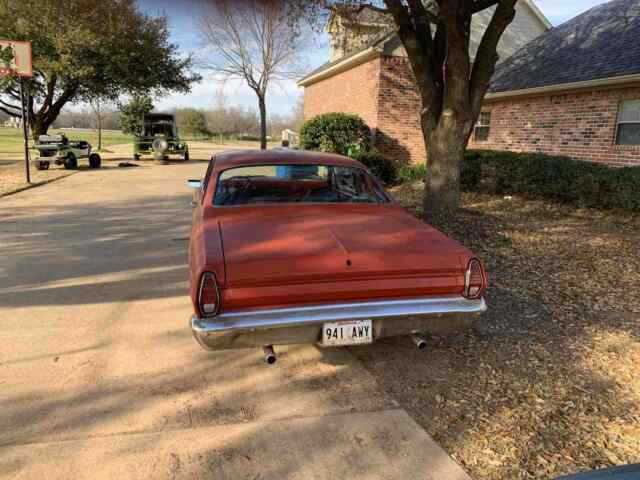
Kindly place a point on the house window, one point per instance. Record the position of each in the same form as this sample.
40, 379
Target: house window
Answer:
628, 132
481, 131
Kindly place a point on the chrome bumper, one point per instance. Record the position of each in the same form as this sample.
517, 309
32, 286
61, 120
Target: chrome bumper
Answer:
284, 326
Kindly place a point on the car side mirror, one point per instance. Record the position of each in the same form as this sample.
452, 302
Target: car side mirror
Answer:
194, 183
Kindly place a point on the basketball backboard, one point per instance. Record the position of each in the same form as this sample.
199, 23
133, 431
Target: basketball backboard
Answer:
15, 58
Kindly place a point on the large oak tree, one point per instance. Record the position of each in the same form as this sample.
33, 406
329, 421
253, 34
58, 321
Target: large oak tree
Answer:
88, 48
436, 36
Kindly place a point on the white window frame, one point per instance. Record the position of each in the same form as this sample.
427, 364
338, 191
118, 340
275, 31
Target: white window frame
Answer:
625, 122
479, 124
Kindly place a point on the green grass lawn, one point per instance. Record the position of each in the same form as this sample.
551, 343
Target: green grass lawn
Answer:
11, 138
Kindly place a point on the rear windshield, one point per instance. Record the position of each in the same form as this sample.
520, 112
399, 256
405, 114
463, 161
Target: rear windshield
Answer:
297, 184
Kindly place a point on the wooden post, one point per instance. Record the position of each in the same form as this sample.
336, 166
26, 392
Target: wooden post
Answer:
25, 130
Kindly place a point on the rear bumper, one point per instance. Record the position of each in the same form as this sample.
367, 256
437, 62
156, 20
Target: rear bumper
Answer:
284, 326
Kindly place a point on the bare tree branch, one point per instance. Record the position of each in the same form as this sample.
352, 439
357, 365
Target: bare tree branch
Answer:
480, 5
486, 56
419, 47
9, 105
252, 40
8, 112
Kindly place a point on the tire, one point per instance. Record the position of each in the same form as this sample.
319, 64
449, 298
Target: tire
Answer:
136, 156
42, 165
94, 160
185, 156
71, 162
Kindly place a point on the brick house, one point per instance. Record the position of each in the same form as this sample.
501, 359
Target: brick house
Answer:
369, 73
573, 91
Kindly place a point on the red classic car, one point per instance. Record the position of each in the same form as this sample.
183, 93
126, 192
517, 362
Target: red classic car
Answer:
297, 247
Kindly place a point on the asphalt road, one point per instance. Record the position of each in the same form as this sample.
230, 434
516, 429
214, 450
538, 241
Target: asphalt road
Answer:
101, 378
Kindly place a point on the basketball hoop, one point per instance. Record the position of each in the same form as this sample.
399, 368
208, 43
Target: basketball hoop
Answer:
15, 58
15, 61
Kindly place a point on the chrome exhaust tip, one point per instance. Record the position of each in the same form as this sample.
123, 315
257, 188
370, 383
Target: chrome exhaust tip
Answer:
269, 354
420, 341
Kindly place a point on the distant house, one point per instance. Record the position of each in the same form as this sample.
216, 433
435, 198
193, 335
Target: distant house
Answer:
573, 91
369, 73
13, 122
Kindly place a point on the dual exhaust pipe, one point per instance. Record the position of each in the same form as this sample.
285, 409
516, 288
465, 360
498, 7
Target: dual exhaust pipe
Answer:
270, 354
419, 340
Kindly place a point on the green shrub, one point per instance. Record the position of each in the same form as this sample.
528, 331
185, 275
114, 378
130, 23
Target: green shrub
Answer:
412, 172
559, 178
334, 133
383, 168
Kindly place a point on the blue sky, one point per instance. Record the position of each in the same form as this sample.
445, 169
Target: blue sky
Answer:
282, 97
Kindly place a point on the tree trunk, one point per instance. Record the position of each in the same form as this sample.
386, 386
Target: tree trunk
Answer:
446, 144
263, 122
38, 126
99, 133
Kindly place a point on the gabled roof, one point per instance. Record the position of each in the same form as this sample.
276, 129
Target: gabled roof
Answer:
349, 60
380, 43
602, 43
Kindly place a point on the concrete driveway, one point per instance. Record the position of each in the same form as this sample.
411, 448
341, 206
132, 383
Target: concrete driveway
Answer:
100, 377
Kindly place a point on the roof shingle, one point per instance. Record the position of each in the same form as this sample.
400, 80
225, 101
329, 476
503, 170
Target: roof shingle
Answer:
603, 42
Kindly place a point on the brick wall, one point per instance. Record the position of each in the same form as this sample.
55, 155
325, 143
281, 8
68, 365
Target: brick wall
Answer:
399, 135
581, 125
352, 91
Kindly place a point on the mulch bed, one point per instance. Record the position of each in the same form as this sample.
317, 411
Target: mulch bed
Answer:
548, 383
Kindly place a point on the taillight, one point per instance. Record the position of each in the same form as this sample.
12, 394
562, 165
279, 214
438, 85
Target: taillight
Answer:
474, 280
209, 295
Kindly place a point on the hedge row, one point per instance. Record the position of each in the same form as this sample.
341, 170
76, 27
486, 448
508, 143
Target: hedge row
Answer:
527, 174
558, 178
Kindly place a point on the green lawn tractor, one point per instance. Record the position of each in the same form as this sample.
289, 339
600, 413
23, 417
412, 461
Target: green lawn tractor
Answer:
60, 150
160, 139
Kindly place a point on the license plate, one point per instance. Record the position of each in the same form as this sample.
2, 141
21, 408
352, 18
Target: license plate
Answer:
348, 332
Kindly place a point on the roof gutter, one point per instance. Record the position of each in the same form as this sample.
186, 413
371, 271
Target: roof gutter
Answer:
341, 66
563, 87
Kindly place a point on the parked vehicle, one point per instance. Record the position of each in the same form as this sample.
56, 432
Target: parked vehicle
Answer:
61, 151
160, 138
296, 247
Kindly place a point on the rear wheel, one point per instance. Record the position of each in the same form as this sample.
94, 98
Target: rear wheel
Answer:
42, 165
71, 162
136, 156
94, 160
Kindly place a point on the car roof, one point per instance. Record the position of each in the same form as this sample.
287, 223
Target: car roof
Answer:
280, 156
159, 116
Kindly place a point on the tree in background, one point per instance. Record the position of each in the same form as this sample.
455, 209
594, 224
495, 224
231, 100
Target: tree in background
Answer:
132, 114
84, 48
256, 41
96, 104
86, 118
193, 122
297, 114
436, 37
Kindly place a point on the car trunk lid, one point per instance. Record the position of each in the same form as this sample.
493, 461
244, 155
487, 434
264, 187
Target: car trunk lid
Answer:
317, 248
